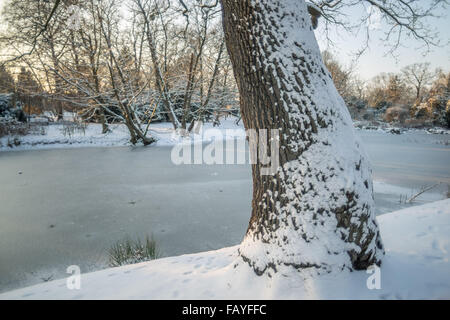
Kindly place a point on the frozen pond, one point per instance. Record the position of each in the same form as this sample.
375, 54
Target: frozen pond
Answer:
67, 206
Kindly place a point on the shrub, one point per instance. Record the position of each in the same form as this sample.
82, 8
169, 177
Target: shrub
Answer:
130, 251
14, 128
397, 114
72, 128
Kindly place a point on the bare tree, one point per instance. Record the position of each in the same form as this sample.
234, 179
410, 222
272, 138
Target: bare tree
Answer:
121, 80
341, 75
317, 211
398, 19
39, 42
418, 75
148, 9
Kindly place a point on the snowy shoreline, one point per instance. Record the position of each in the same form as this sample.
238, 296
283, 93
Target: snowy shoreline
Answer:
54, 137
415, 266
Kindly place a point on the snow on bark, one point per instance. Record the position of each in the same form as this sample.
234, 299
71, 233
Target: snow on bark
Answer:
318, 210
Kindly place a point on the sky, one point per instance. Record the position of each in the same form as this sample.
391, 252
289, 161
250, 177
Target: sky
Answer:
375, 60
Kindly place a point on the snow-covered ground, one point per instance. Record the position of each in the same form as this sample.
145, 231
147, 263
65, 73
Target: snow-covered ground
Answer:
389, 128
416, 266
56, 137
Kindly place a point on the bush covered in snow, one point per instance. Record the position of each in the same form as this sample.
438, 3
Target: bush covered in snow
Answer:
13, 121
11, 110
12, 117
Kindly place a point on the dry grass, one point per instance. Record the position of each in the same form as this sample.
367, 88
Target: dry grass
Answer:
130, 251
21, 129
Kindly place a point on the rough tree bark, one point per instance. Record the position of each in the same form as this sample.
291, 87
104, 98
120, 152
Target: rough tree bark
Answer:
317, 210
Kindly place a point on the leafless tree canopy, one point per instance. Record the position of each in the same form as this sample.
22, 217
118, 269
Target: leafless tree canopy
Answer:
399, 19
133, 61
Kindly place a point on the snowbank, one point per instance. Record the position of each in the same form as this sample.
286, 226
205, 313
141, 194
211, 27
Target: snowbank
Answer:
416, 266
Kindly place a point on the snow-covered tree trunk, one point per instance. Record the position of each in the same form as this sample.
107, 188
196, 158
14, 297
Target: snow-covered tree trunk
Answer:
317, 210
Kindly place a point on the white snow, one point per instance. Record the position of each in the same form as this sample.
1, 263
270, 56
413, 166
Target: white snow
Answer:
54, 136
416, 266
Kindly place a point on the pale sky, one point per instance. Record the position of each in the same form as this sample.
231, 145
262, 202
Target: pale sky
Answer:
375, 60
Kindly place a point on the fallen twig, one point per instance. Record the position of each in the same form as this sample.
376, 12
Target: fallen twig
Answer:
422, 192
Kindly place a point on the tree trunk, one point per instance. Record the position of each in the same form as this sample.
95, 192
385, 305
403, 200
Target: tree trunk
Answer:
317, 211
418, 89
105, 128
